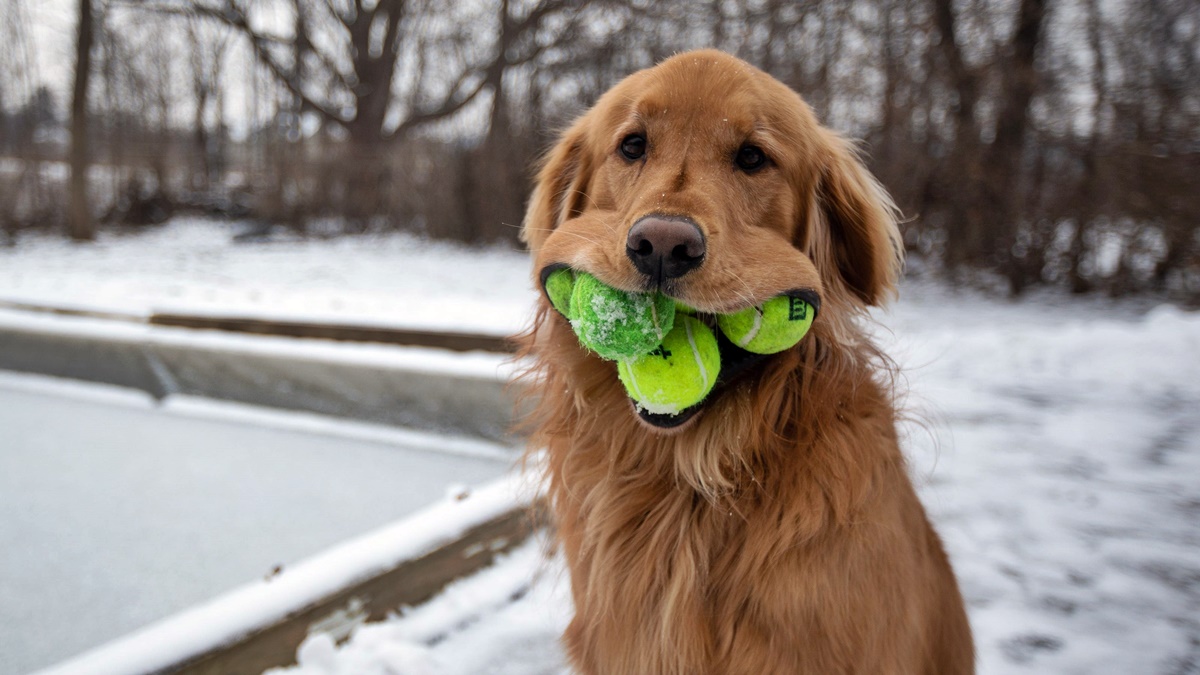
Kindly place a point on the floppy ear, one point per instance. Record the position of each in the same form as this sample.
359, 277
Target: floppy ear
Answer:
863, 235
559, 191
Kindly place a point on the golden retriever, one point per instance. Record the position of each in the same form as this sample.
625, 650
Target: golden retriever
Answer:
772, 528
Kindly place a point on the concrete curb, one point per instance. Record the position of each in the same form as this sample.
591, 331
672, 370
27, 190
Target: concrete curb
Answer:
164, 361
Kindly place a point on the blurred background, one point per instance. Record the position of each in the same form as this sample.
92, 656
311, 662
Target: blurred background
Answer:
1044, 142
258, 259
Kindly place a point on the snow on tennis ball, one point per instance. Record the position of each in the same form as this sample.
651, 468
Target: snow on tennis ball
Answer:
678, 374
771, 327
617, 324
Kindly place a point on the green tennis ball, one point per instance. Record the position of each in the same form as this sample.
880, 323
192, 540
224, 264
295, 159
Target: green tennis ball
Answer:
559, 285
616, 324
676, 375
771, 327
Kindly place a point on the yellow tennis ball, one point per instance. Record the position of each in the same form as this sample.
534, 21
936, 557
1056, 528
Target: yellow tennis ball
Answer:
771, 327
617, 324
558, 286
676, 375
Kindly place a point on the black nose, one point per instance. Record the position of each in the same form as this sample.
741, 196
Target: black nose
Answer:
665, 248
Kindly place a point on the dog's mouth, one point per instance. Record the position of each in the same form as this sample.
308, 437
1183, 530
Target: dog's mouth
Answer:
735, 364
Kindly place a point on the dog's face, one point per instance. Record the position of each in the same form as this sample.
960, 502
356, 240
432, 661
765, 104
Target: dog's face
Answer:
707, 180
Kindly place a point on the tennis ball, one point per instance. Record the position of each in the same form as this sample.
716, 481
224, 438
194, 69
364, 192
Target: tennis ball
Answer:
559, 285
616, 324
771, 327
676, 375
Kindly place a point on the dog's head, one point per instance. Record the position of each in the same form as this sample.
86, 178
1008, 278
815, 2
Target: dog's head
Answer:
710, 181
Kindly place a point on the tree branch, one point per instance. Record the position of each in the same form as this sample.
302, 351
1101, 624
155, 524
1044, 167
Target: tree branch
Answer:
234, 17
448, 107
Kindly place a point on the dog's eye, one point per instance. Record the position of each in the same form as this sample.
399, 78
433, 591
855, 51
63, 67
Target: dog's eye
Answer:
633, 146
749, 158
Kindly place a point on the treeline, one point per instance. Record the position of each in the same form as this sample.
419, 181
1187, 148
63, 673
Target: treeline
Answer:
1028, 141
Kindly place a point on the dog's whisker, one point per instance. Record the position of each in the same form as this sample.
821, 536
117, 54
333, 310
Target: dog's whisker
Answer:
587, 197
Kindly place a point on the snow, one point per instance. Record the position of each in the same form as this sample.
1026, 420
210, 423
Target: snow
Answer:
191, 266
1058, 453
1057, 449
310, 424
263, 602
502, 621
480, 365
1054, 442
115, 511
319, 425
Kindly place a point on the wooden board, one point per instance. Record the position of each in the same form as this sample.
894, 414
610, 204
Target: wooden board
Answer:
451, 340
459, 342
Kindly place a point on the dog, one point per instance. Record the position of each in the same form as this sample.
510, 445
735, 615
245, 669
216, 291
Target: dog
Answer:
773, 527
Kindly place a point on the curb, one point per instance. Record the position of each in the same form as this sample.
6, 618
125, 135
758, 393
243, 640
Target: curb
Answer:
418, 387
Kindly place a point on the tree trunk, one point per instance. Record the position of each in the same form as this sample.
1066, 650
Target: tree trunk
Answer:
1003, 186
374, 68
80, 225
1091, 188
961, 170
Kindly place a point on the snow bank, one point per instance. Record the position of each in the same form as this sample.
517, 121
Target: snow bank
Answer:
416, 359
262, 603
503, 621
193, 266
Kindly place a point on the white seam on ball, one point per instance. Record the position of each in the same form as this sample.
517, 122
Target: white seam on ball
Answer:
657, 322
696, 353
633, 380
753, 332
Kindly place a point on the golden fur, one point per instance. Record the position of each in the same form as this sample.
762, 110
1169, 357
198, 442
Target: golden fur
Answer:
778, 531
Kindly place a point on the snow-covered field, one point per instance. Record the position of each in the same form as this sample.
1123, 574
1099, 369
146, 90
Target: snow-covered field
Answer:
192, 267
116, 510
1056, 444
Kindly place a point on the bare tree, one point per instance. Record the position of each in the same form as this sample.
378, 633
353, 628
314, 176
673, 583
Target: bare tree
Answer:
339, 61
1003, 188
206, 53
80, 225
1032, 141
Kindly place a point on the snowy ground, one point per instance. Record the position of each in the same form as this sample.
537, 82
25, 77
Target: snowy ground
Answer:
191, 266
1060, 458
1057, 445
503, 621
116, 511
1058, 453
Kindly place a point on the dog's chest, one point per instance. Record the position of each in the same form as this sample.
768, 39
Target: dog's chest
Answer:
657, 575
